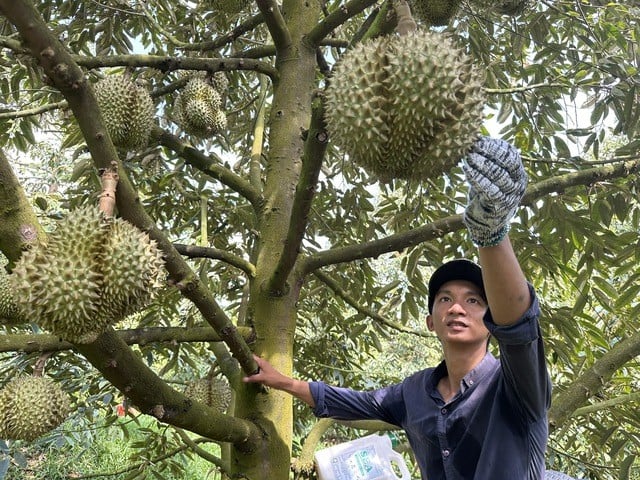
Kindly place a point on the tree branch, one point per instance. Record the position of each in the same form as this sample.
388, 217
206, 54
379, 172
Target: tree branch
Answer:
206, 165
591, 382
19, 226
167, 64
128, 373
631, 398
29, 343
275, 23
193, 251
229, 37
342, 293
336, 18
313, 155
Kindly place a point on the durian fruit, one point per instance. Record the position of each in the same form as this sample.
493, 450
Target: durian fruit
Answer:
10, 313
127, 110
405, 107
82, 280
220, 82
30, 407
133, 269
434, 12
58, 284
502, 7
215, 392
197, 106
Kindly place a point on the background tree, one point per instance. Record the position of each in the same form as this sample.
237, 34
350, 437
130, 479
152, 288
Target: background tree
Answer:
276, 242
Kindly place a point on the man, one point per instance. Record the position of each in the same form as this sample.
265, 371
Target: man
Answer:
472, 417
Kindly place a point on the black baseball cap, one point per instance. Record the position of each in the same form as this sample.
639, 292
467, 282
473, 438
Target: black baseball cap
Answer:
461, 269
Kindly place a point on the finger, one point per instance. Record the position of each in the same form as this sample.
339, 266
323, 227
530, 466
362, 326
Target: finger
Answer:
499, 152
484, 182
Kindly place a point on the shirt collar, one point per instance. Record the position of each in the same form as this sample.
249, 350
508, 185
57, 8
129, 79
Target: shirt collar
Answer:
486, 365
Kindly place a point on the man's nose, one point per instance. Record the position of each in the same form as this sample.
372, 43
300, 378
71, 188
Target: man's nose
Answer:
456, 308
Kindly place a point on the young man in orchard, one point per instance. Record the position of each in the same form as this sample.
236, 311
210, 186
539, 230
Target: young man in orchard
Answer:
472, 417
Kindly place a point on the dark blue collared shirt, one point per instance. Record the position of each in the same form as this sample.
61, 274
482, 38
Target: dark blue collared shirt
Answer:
495, 428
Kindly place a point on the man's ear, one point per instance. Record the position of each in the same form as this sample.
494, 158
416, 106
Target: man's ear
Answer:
430, 322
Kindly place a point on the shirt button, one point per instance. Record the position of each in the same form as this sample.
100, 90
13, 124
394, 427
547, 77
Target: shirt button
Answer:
445, 453
470, 382
443, 411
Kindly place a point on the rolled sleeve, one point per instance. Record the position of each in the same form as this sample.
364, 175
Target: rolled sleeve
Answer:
524, 331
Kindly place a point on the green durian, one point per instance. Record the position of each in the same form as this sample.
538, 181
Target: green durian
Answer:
405, 107
435, 12
81, 281
215, 392
30, 407
196, 107
10, 313
132, 272
127, 110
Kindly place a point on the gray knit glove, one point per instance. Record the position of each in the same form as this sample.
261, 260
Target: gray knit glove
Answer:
497, 179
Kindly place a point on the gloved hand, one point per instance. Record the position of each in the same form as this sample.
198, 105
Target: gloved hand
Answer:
497, 179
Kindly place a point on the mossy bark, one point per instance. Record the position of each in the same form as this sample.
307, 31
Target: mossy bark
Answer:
19, 226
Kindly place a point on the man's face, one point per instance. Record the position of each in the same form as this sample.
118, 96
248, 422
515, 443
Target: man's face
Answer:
458, 310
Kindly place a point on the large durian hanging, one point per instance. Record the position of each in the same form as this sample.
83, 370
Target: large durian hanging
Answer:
405, 106
127, 110
198, 107
90, 274
31, 406
215, 392
434, 12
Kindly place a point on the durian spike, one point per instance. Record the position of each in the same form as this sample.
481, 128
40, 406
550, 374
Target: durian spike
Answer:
406, 23
109, 180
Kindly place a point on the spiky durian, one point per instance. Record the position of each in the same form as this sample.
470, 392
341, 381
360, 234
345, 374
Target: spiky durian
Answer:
78, 283
131, 271
31, 406
435, 12
57, 283
503, 7
215, 393
405, 106
196, 107
220, 82
127, 110
10, 313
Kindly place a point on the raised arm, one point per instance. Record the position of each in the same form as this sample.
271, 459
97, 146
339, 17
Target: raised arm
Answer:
497, 182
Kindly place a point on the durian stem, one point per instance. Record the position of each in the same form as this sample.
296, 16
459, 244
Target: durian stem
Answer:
38, 368
109, 180
406, 23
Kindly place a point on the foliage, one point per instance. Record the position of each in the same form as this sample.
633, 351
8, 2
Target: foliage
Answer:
330, 274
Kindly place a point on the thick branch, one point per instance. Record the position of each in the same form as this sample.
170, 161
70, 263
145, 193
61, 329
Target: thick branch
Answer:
441, 227
69, 79
314, 150
19, 226
275, 23
339, 291
167, 64
29, 343
591, 382
206, 165
129, 374
336, 18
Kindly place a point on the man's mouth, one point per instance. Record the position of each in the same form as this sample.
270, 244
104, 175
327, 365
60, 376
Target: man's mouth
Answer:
456, 323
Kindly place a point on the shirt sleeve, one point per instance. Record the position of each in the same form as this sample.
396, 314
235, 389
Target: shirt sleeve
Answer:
346, 404
523, 361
